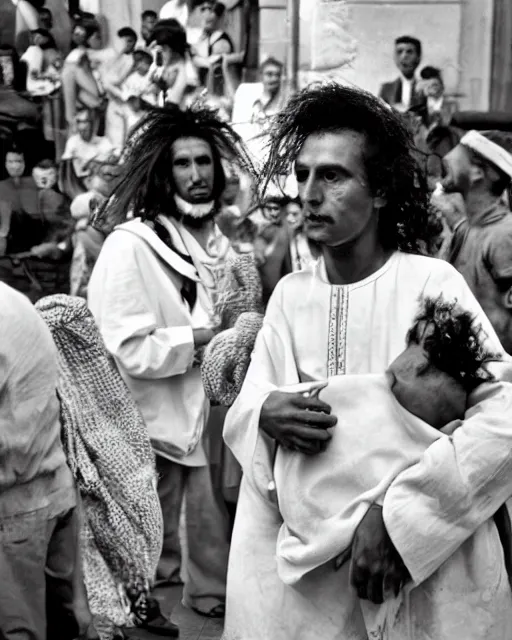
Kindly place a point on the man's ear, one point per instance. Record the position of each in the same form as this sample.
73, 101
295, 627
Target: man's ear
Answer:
380, 201
507, 299
476, 174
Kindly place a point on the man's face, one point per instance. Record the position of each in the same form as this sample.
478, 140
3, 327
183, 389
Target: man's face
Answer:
406, 59
208, 17
128, 44
338, 206
41, 41
271, 78
273, 212
193, 170
79, 36
45, 19
433, 88
294, 215
84, 126
148, 24
15, 164
94, 41
457, 171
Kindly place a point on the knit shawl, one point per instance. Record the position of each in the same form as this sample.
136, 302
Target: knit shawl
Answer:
110, 455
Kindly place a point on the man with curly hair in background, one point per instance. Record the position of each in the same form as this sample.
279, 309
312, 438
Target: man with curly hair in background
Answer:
366, 206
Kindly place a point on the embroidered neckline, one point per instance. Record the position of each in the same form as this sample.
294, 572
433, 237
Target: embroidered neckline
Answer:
321, 273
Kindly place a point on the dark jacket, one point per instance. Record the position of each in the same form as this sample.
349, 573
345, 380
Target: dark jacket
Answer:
391, 92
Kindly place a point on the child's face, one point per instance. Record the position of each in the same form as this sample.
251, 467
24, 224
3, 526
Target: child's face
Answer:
273, 212
425, 391
434, 88
142, 67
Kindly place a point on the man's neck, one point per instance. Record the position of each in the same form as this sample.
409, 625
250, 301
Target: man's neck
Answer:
268, 97
201, 232
478, 201
354, 261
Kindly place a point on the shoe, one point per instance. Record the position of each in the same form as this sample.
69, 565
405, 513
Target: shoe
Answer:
157, 623
217, 612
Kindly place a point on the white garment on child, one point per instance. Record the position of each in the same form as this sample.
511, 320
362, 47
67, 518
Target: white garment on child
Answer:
139, 86
83, 151
323, 498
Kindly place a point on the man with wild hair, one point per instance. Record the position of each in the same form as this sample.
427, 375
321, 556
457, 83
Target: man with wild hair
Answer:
480, 169
152, 292
366, 206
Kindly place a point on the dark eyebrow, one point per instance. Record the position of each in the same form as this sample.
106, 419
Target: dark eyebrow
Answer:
322, 167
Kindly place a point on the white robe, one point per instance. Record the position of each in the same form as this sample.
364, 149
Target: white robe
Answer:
437, 510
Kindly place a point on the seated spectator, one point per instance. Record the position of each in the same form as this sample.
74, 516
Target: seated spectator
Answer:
173, 72
14, 108
82, 150
43, 64
57, 22
115, 72
45, 19
79, 85
438, 110
36, 226
138, 91
255, 105
212, 44
87, 241
148, 21
139, 83
19, 23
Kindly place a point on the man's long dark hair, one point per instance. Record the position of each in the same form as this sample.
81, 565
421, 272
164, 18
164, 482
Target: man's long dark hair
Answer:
146, 186
406, 222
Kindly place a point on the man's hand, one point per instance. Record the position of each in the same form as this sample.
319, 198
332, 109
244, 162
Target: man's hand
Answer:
376, 568
46, 250
202, 337
296, 422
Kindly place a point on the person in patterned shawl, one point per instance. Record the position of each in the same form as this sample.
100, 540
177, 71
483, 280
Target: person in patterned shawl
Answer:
153, 294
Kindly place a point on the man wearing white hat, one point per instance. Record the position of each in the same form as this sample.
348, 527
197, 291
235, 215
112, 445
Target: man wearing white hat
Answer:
480, 169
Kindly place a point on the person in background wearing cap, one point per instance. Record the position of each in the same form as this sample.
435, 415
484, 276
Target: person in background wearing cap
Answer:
480, 169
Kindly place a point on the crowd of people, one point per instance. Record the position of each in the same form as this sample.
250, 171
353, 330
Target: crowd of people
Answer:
255, 344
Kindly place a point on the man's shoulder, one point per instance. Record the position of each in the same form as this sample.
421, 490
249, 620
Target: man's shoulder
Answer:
295, 281
72, 142
388, 87
416, 266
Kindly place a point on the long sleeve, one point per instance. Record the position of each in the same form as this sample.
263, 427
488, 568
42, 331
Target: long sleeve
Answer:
462, 480
118, 298
272, 366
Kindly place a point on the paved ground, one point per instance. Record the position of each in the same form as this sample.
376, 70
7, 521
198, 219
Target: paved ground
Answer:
192, 626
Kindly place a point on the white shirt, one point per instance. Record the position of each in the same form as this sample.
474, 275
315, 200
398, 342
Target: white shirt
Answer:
82, 152
407, 85
139, 86
434, 105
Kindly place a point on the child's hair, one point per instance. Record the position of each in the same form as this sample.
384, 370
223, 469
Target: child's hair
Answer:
142, 56
47, 163
455, 345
